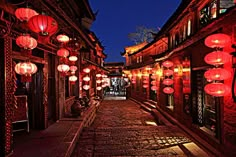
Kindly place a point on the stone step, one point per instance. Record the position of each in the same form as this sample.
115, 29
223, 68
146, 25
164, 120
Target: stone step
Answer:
149, 105
160, 118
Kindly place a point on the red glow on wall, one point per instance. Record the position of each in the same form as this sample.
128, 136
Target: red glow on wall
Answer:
217, 74
217, 58
218, 40
217, 89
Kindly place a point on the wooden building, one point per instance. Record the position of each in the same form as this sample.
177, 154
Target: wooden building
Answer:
171, 71
39, 84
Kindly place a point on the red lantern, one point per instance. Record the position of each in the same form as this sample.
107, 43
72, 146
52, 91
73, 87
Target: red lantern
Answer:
154, 88
217, 89
73, 58
62, 52
145, 81
168, 82
86, 87
86, 78
217, 74
167, 64
73, 79
63, 68
98, 81
99, 88
86, 70
98, 75
153, 82
168, 72
43, 24
153, 77
217, 58
24, 14
168, 90
26, 42
145, 86
73, 69
186, 90
26, 69
63, 38
218, 40
133, 81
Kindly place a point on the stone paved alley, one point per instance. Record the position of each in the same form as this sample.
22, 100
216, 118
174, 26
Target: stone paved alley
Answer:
122, 128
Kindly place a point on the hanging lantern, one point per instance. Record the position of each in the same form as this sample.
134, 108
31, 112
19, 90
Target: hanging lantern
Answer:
168, 72
154, 88
186, 90
98, 75
99, 88
153, 82
86, 87
98, 81
186, 82
168, 81
24, 14
73, 79
62, 52
133, 81
145, 81
145, 86
63, 68
217, 58
26, 42
86, 78
63, 38
153, 77
217, 74
218, 40
217, 89
26, 69
167, 64
73, 58
168, 90
86, 70
43, 24
73, 68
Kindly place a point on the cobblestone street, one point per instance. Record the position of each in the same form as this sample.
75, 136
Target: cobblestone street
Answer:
122, 128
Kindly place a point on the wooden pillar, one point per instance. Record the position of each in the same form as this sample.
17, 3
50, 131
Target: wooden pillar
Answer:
7, 102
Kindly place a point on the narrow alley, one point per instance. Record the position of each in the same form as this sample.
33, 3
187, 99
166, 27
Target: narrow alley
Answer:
122, 128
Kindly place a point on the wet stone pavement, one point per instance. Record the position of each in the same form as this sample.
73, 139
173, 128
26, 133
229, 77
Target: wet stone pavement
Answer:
122, 128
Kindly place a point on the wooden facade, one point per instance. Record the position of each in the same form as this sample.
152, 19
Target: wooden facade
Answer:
181, 41
49, 94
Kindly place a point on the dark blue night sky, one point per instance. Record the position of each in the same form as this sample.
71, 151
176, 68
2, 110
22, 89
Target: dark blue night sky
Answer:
117, 18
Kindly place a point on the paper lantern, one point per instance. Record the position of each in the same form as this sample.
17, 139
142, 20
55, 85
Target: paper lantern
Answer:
24, 14
99, 88
98, 75
153, 77
218, 40
217, 89
154, 88
63, 68
73, 58
26, 69
168, 72
43, 24
217, 74
86, 87
217, 58
26, 42
62, 52
186, 90
145, 81
153, 82
145, 86
167, 64
86, 70
86, 78
168, 81
63, 38
133, 81
73, 79
168, 90
98, 81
